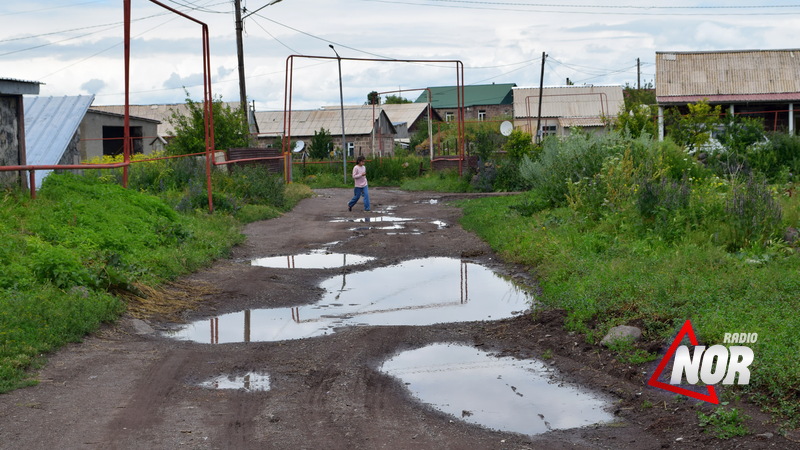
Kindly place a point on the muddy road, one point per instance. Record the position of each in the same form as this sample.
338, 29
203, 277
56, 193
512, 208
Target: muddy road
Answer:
134, 386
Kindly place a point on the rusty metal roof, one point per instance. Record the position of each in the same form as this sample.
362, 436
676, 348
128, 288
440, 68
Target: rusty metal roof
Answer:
569, 101
755, 75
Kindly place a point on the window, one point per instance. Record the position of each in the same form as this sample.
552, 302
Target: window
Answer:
351, 147
448, 116
113, 140
549, 130
481, 115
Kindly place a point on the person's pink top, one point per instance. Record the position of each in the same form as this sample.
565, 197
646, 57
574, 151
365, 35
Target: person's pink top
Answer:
360, 175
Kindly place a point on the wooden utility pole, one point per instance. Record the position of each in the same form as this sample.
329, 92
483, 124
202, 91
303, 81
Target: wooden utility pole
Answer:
237, 5
638, 74
541, 88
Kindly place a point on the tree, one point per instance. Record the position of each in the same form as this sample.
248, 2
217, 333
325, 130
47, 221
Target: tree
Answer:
518, 145
640, 111
396, 100
694, 130
373, 98
230, 128
321, 144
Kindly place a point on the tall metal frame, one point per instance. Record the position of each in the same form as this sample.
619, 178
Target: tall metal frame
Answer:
287, 102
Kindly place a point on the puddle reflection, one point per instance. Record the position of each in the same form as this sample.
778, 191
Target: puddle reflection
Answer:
500, 393
312, 260
248, 382
416, 292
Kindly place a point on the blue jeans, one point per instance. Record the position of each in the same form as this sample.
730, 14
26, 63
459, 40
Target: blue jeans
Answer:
357, 193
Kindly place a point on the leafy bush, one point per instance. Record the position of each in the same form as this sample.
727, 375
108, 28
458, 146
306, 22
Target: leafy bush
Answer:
579, 155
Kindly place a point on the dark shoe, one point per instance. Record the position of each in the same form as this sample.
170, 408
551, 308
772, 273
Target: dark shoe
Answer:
367, 210
349, 208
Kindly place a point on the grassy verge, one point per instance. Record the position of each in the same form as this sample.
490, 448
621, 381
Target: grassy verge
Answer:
69, 254
604, 274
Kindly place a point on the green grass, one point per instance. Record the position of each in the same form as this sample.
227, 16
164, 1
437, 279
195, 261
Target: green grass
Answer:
605, 274
85, 239
724, 423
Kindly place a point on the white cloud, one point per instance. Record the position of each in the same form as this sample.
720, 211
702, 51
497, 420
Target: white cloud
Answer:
497, 43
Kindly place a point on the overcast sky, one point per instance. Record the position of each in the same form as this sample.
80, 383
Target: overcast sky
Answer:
75, 46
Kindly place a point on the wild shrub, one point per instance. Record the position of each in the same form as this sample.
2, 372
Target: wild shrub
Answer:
754, 216
252, 185
576, 157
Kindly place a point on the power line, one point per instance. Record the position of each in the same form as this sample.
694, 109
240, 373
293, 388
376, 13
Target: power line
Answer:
50, 8
588, 9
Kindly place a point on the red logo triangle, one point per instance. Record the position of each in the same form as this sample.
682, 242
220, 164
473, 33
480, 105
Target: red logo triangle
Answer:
686, 330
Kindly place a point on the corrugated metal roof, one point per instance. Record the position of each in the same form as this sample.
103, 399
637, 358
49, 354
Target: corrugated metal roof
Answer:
569, 101
474, 95
397, 113
50, 124
357, 120
740, 72
13, 86
568, 122
161, 113
730, 98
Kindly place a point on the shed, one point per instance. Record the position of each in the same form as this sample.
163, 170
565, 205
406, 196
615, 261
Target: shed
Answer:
760, 83
102, 134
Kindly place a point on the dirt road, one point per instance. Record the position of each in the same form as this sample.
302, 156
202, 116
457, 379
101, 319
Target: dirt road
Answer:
131, 387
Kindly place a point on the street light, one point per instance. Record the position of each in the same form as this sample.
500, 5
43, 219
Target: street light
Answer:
240, 52
341, 103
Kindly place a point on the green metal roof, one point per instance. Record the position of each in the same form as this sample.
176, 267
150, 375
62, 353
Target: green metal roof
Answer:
475, 95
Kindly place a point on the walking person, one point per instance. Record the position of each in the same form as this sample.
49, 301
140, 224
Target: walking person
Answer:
360, 179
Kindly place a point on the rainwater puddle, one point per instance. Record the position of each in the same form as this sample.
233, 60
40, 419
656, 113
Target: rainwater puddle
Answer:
416, 292
504, 394
374, 219
248, 382
312, 260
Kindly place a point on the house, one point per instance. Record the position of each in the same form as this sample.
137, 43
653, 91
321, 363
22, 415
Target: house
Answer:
756, 83
481, 101
365, 134
102, 134
564, 108
407, 119
52, 130
12, 128
161, 113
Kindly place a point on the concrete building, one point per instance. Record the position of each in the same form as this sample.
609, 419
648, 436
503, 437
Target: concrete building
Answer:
102, 134
12, 128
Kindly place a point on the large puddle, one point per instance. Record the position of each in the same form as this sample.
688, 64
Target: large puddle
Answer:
504, 394
416, 292
319, 259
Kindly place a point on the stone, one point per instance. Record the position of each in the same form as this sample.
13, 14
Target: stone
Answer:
621, 332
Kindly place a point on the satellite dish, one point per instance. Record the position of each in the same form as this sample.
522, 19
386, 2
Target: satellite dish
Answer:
298, 146
506, 128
